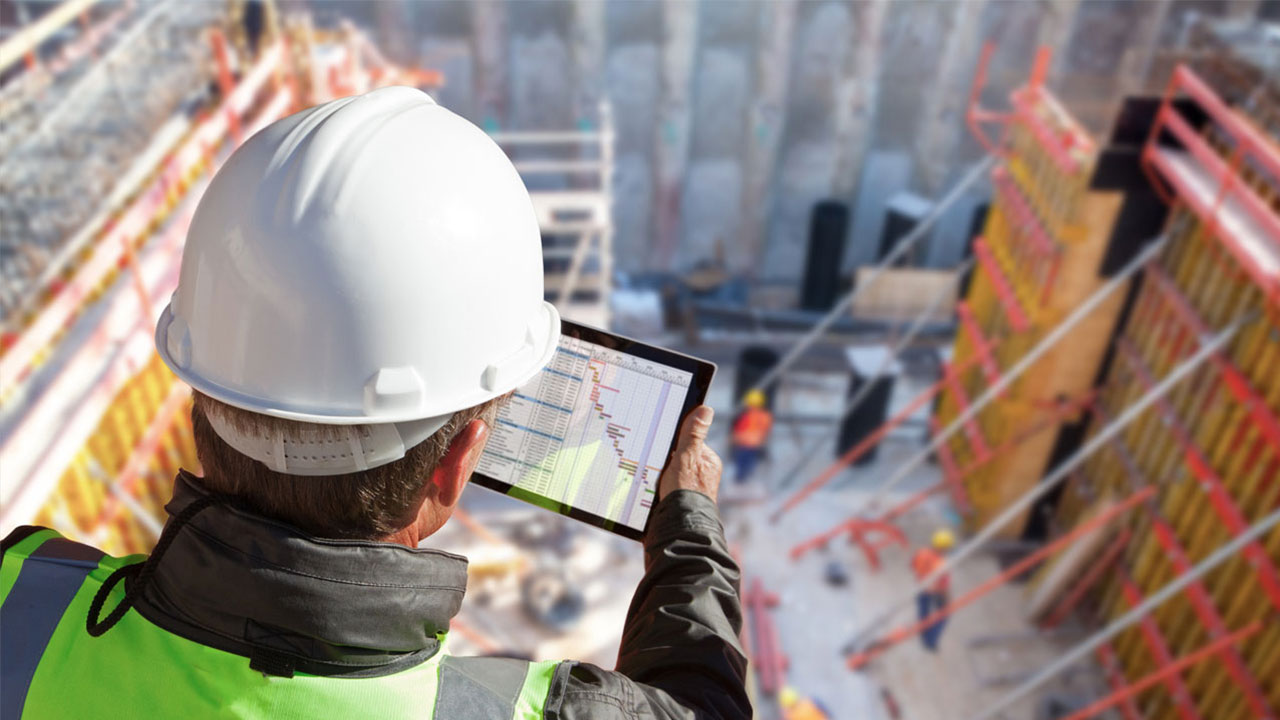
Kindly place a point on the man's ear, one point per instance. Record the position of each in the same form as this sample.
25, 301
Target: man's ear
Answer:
459, 461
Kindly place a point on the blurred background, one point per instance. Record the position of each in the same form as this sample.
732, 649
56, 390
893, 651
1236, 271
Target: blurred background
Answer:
993, 287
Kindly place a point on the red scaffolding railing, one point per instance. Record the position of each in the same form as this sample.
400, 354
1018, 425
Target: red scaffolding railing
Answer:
1046, 254
1018, 318
1236, 382
1158, 647
1124, 693
1213, 187
982, 347
1115, 678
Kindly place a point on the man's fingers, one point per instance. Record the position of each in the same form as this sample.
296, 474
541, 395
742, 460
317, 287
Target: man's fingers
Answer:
695, 428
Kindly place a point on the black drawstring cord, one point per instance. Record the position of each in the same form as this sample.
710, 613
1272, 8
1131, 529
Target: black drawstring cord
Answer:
138, 575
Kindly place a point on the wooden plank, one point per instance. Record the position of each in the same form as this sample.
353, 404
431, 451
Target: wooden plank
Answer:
904, 293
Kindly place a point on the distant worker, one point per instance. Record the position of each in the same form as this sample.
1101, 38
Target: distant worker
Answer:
937, 595
750, 433
361, 289
795, 707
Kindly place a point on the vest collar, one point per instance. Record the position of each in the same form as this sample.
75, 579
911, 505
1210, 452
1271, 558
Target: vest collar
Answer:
258, 588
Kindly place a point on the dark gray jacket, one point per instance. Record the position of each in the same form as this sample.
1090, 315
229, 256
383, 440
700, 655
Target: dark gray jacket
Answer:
292, 603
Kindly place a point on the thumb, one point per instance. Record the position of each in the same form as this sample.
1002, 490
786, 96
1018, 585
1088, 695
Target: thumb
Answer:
694, 430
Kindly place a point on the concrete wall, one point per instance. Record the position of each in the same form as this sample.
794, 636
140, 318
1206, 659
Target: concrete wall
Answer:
734, 118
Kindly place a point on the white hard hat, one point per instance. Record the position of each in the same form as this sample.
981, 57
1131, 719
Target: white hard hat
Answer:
372, 260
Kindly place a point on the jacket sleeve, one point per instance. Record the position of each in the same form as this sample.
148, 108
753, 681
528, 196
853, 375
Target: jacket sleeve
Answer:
680, 656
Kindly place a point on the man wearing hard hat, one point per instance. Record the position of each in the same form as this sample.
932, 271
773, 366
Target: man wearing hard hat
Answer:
361, 288
750, 433
935, 597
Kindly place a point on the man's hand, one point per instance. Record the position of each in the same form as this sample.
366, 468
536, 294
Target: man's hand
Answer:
694, 466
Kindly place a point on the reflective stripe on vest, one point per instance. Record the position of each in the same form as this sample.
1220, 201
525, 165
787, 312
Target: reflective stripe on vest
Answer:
48, 573
141, 669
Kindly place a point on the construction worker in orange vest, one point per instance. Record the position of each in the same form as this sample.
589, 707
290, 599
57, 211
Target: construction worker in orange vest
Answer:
935, 597
750, 432
795, 707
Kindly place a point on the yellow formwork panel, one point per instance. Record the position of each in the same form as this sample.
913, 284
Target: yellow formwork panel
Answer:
164, 212
1201, 415
1046, 235
87, 503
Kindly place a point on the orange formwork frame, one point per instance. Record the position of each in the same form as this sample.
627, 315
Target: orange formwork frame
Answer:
1061, 471
1198, 595
1125, 692
1214, 187
1131, 617
1252, 147
1115, 678
1007, 377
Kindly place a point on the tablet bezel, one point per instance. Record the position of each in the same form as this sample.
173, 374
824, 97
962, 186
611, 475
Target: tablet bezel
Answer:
703, 371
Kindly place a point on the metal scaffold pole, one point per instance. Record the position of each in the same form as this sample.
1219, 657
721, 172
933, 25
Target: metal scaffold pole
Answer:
1135, 614
1060, 473
1006, 378
900, 249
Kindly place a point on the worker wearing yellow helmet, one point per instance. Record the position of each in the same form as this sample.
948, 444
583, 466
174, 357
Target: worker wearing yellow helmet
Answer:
795, 707
936, 595
361, 288
750, 434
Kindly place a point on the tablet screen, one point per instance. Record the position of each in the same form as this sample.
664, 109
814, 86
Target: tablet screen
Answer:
590, 434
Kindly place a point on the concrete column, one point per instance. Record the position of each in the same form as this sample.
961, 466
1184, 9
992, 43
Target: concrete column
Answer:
1059, 20
541, 62
489, 34
711, 202
764, 126
857, 94
586, 48
1135, 65
633, 81
942, 111
809, 153
671, 153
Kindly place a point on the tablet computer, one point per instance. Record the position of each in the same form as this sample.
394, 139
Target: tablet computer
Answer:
590, 434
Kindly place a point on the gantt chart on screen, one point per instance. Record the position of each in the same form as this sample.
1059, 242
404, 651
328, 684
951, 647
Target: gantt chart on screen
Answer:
592, 431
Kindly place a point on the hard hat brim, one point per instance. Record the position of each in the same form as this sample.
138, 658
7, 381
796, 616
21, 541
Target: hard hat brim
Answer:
512, 378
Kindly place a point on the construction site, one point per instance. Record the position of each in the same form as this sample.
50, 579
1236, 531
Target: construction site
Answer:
1007, 273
